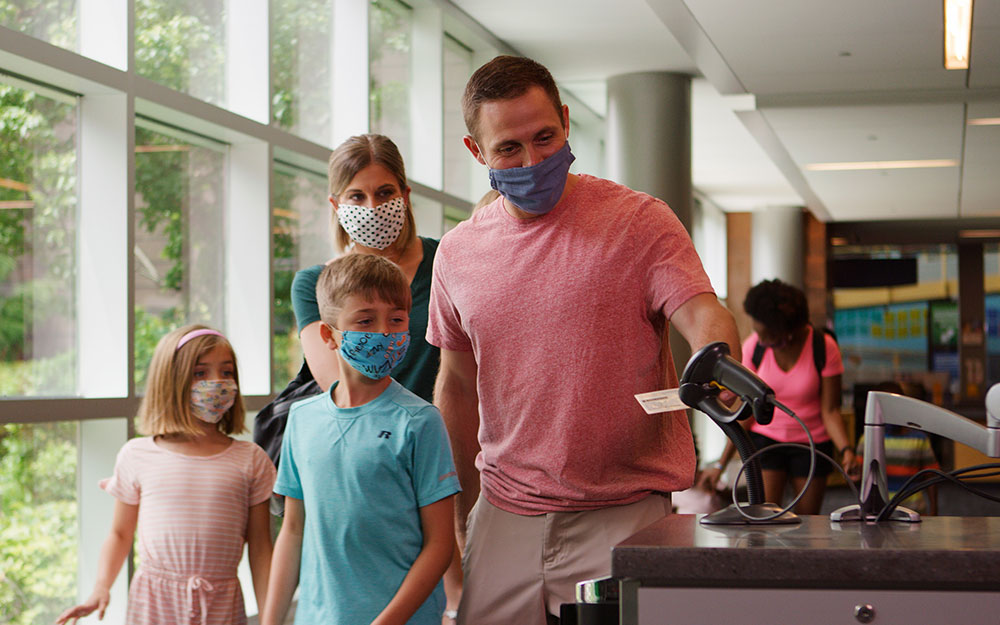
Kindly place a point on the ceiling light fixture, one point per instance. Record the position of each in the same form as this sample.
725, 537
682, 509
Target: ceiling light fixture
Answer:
984, 121
957, 33
862, 165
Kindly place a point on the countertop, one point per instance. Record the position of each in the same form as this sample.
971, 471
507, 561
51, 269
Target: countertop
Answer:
939, 553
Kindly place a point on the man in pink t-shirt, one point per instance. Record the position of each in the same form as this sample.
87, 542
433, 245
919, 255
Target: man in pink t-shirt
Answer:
549, 306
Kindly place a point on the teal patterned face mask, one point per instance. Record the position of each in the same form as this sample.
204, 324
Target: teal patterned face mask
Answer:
374, 354
211, 399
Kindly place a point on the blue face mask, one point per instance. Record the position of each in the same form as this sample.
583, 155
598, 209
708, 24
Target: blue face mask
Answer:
535, 189
374, 354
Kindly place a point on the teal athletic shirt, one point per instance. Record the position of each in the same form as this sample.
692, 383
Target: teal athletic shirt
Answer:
363, 474
420, 365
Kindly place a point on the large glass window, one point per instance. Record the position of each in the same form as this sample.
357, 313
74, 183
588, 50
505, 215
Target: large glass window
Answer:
457, 160
300, 217
389, 47
178, 246
302, 67
37, 243
53, 21
181, 44
208, 192
38, 535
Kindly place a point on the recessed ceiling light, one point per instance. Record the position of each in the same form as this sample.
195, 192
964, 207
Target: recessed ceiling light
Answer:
984, 121
957, 33
861, 165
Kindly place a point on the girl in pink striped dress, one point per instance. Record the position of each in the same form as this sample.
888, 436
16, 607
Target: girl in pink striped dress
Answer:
195, 494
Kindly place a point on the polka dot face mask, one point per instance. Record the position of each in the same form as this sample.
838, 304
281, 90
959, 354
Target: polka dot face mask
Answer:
373, 227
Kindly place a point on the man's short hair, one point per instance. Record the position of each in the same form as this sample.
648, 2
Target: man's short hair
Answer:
367, 275
505, 78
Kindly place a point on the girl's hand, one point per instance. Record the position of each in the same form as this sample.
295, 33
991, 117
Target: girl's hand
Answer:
851, 464
97, 601
708, 478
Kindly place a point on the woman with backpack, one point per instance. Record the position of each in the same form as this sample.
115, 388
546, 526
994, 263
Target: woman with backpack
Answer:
803, 366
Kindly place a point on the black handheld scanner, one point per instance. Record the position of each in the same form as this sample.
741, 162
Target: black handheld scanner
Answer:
709, 371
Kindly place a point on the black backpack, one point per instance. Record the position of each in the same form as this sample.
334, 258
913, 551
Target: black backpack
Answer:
819, 350
269, 424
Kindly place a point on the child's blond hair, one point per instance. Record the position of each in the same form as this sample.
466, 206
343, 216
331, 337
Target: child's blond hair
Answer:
367, 275
166, 407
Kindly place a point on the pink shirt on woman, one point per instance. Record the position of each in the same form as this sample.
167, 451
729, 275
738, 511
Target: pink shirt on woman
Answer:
564, 314
799, 389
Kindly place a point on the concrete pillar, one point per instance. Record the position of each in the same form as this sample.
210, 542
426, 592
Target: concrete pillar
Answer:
649, 136
776, 247
649, 149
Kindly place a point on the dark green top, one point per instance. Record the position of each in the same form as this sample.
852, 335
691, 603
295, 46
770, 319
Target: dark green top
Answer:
420, 365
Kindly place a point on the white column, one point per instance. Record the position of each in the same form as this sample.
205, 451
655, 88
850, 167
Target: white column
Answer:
247, 237
349, 87
97, 447
426, 164
248, 76
103, 254
103, 30
776, 245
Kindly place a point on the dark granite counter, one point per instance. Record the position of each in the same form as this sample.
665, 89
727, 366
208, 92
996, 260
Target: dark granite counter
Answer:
939, 553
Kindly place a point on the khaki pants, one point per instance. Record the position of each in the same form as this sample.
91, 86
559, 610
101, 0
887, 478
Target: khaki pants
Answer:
519, 568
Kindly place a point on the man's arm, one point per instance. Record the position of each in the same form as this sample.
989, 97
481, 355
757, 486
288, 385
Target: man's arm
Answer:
702, 320
455, 395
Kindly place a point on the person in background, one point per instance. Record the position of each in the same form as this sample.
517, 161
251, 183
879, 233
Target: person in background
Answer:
811, 389
202, 494
907, 452
550, 306
366, 470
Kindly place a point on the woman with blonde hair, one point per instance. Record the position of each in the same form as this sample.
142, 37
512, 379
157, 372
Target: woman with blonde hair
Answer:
372, 214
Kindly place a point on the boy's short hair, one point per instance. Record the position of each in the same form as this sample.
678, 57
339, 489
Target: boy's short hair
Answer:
505, 78
367, 275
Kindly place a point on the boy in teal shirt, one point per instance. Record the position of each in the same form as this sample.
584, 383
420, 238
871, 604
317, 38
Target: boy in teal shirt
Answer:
366, 471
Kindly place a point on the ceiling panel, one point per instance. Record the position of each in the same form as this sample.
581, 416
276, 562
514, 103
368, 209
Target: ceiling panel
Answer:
985, 69
580, 40
888, 194
870, 133
877, 133
981, 170
817, 45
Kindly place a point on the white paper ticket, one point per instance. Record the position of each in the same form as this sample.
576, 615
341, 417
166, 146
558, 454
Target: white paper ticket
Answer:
661, 401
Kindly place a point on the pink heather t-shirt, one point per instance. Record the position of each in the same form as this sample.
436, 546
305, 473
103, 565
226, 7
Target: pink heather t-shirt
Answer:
564, 314
799, 389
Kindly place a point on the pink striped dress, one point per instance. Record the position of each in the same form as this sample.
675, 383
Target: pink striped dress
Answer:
192, 526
